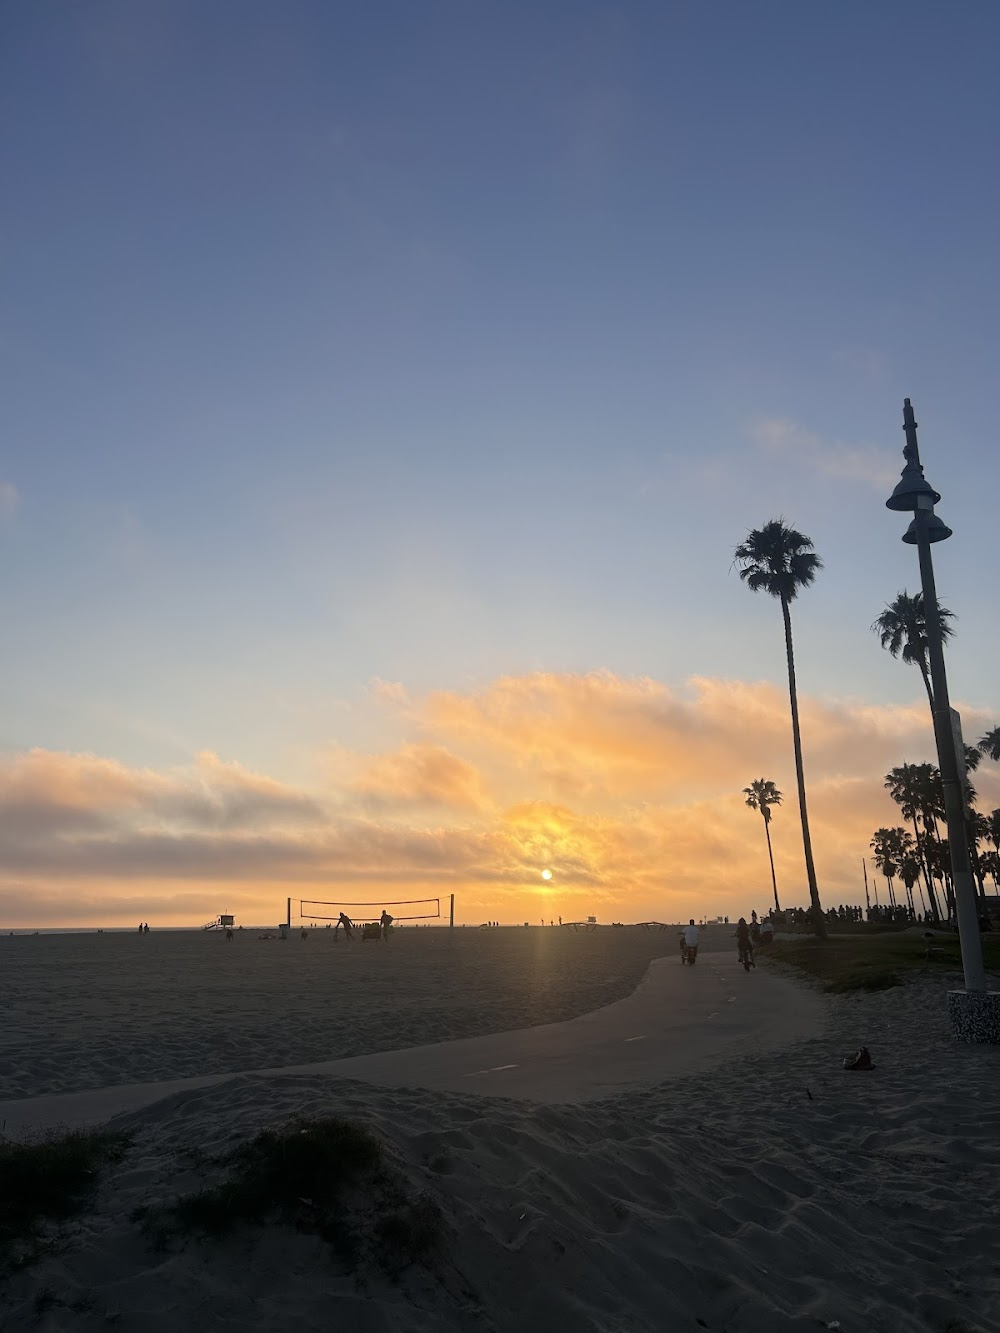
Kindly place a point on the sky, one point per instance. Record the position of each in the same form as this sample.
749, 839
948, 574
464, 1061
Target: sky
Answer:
384, 389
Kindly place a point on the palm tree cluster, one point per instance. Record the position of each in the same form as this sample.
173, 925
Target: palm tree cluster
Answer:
780, 561
894, 855
917, 788
919, 792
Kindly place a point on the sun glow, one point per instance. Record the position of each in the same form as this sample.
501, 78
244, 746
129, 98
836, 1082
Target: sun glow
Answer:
546, 874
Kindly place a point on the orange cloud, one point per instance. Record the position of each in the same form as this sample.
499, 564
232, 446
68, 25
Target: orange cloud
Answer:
601, 734
423, 774
628, 790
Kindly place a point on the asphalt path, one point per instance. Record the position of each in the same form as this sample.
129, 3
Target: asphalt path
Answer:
679, 1021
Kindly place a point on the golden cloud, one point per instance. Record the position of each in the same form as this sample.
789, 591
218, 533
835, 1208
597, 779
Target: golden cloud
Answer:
422, 774
628, 790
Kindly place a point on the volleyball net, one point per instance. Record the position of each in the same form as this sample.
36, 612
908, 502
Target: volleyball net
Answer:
422, 909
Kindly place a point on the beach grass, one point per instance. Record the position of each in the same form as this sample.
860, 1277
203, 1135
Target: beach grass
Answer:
854, 963
48, 1180
329, 1177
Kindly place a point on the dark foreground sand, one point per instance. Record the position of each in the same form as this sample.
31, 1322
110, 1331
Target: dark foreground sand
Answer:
776, 1193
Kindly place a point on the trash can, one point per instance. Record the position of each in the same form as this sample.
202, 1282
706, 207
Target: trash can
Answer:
283, 930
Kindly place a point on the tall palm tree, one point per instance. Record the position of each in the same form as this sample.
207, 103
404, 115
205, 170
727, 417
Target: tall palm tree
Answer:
902, 629
889, 846
939, 856
908, 786
909, 873
978, 826
761, 795
994, 818
989, 746
778, 560
991, 860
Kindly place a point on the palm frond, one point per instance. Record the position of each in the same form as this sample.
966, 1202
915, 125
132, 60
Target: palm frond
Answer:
902, 627
777, 559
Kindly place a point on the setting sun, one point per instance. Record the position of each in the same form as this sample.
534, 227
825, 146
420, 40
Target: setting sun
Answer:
546, 874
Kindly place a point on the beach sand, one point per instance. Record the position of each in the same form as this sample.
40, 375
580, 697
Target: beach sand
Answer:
775, 1191
87, 1011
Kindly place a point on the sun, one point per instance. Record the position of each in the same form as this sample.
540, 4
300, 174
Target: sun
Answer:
546, 874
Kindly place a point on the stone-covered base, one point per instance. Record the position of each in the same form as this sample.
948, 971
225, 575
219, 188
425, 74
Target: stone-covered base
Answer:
974, 1015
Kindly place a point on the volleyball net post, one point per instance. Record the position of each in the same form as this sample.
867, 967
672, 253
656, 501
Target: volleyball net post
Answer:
451, 914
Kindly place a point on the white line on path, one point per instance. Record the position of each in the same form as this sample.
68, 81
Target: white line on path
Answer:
628, 1039
495, 1070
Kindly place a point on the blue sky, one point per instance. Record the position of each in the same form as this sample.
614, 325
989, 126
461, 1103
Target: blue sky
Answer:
439, 342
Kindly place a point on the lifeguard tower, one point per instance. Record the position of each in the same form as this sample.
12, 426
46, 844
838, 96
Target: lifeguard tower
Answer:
221, 922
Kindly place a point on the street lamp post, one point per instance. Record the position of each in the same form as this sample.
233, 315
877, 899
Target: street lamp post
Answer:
975, 1012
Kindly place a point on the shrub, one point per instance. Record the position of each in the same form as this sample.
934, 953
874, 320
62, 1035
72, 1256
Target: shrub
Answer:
49, 1179
327, 1177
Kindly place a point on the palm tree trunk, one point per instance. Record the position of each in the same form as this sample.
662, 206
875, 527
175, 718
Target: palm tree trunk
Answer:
774, 882
923, 863
927, 685
944, 861
977, 869
819, 925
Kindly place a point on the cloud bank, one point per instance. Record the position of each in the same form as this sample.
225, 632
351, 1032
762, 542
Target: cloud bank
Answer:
627, 790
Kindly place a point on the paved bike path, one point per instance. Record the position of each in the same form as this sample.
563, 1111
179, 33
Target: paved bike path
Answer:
678, 1021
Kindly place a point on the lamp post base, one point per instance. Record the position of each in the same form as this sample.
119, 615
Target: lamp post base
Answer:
974, 1016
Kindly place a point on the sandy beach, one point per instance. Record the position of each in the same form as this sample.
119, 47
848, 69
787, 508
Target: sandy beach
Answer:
770, 1191
92, 1010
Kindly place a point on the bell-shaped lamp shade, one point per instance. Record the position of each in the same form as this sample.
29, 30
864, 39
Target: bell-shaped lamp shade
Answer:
911, 484
937, 531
